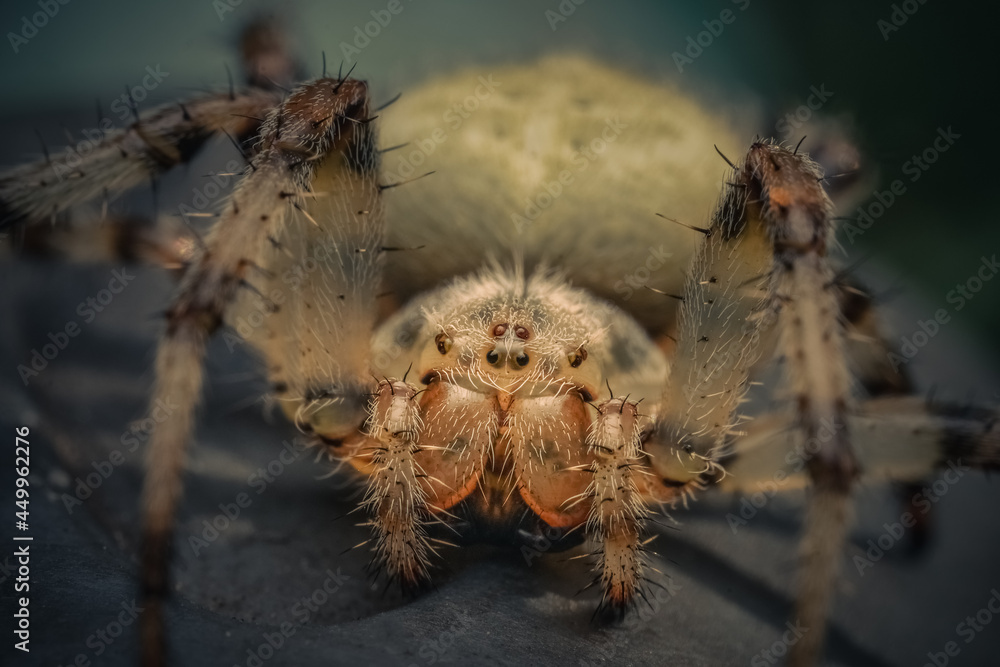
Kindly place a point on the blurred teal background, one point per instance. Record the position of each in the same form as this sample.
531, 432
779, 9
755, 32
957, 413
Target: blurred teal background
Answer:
936, 70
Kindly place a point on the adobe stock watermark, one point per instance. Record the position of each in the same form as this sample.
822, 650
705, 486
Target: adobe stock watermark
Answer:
773, 654
581, 160
561, 13
923, 500
59, 340
796, 461
914, 168
302, 611
714, 28
968, 630
223, 7
363, 35
543, 541
292, 280
102, 638
454, 118
604, 653
204, 197
259, 480
137, 434
656, 259
911, 344
434, 650
31, 25
898, 17
66, 165
801, 115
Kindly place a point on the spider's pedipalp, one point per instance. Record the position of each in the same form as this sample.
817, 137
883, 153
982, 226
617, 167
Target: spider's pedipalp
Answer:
396, 498
617, 511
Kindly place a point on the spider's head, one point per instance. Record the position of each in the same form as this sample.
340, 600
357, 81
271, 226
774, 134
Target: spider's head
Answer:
528, 343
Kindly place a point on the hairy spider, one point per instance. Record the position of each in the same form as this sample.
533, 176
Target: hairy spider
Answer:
501, 385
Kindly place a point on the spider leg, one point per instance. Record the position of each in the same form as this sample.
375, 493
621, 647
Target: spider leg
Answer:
314, 307
722, 318
771, 450
898, 438
124, 158
763, 272
317, 129
873, 360
163, 241
396, 498
811, 342
617, 511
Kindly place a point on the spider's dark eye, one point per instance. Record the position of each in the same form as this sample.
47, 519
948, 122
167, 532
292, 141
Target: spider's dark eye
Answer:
522, 360
577, 358
443, 343
492, 356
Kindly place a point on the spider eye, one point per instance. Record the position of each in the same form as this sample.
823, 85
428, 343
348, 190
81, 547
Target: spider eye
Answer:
443, 343
522, 359
577, 358
492, 356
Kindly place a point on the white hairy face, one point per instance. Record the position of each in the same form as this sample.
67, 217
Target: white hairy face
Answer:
502, 332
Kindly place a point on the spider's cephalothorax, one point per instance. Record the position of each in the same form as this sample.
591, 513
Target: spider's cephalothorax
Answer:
511, 369
491, 391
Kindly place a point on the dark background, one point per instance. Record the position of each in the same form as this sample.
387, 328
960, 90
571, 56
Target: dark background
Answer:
937, 70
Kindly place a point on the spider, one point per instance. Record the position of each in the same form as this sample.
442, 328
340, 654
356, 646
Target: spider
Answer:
496, 389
